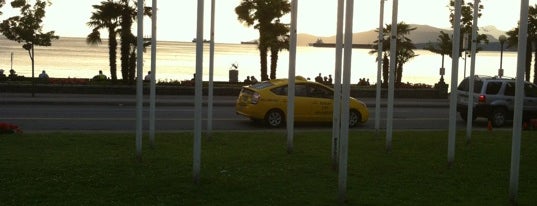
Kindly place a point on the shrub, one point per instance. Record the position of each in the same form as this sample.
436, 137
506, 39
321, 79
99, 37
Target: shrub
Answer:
7, 128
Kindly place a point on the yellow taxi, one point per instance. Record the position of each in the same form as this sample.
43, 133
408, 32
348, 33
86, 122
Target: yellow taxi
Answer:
267, 101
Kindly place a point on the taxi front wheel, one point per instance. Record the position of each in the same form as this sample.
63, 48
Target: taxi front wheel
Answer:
274, 118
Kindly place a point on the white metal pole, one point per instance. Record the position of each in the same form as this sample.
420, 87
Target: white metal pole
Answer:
519, 102
291, 78
139, 89
211, 75
344, 139
391, 82
472, 73
33, 70
454, 79
153, 80
379, 66
198, 94
337, 84
465, 48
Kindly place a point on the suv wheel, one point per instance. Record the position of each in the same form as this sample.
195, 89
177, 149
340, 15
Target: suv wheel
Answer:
498, 117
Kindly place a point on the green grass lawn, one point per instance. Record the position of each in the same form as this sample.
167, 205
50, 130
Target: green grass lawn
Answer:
253, 168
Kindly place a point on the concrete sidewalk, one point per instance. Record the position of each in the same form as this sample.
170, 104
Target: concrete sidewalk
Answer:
172, 100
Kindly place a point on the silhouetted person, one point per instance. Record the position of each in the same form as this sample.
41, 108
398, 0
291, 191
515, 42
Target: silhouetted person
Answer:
100, 76
12, 74
253, 79
319, 78
148, 76
329, 79
43, 75
247, 80
2, 75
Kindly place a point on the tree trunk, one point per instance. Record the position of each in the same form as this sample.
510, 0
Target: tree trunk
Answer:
399, 75
263, 60
132, 66
112, 46
385, 70
273, 62
126, 25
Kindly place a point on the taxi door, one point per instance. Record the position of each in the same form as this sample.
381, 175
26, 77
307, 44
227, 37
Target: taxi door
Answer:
302, 103
321, 102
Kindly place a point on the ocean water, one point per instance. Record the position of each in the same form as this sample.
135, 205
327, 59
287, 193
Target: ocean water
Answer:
72, 57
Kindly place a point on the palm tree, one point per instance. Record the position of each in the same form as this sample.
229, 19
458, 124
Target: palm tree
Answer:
279, 40
513, 38
467, 17
405, 47
128, 40
443, 47
405, 52
512, 42
106, 16
261, 14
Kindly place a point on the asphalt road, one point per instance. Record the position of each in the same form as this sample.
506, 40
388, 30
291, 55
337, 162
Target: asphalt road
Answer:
118, 113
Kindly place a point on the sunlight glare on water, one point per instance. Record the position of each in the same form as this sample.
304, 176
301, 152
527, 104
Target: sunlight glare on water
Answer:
72, 57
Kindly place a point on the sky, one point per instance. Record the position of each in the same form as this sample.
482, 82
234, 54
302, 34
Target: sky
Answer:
177, 18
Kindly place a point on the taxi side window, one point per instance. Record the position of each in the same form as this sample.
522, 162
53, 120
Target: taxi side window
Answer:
300, 90
280, 90
319, 92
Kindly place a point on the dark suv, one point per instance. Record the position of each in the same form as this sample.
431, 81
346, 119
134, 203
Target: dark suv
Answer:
494, 99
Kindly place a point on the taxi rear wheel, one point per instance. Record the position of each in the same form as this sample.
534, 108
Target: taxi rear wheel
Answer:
354, 118
274, 118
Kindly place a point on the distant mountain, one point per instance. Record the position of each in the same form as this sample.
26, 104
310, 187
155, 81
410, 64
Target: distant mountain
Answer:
421, 36
492, 31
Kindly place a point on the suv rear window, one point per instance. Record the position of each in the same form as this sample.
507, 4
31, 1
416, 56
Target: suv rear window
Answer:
493, 87
530, 90
464, 85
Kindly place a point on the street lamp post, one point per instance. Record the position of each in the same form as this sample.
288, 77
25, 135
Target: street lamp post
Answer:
502, 39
